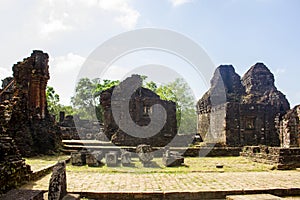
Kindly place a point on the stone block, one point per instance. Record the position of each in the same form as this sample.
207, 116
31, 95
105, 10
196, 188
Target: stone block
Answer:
92, 161
58, 182
111, 158
145, 153
78, 158
172, 158
172, 161
71, 197
126, 158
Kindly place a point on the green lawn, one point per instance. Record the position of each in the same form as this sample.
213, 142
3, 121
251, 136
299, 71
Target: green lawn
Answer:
231, 164
41, 162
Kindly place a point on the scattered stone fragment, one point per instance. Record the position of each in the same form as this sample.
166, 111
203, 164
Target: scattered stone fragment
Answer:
125, 158
58, 182
145, 154
94, 159
172, 158
78, 158
111, 158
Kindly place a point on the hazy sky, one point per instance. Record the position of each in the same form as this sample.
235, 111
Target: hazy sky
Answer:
236, 32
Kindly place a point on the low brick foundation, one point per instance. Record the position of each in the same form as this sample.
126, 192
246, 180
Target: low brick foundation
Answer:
282, 158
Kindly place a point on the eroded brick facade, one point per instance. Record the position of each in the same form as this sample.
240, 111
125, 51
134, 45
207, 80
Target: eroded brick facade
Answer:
139, 107
289, 128
241, 111
24, 113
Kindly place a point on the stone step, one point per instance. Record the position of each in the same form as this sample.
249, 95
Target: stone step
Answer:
253, 197
21, 194
69, 196
87, 142
105, 148
76, 145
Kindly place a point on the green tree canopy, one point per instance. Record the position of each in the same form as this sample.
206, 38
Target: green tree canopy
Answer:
54, 106
179, 92
86, 98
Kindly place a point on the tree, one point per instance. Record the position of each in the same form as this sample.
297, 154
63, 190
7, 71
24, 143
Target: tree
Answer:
151, 85
86, 98
52, 100
87, 103
54, 107
179, 92
83, 100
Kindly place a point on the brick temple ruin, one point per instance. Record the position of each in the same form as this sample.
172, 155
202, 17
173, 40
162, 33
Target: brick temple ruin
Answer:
23, 107
248, 114
140, 107
27, 128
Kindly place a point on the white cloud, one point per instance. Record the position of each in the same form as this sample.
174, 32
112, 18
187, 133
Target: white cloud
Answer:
64, 15
66, 63
126, 15
63, 72
54, 25
176, 3
279, 71
4, 72
115, 72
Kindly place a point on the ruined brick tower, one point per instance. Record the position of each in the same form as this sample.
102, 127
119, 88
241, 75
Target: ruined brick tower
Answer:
238, 112
31, 77
27, 119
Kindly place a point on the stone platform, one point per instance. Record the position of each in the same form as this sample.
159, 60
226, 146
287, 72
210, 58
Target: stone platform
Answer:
177, 185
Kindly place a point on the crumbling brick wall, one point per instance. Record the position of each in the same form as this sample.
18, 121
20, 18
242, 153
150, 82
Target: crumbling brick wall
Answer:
289, 127
29, 123
8, 89
140, 104
13, 170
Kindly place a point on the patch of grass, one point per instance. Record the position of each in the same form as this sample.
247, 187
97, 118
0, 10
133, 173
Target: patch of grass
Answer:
206, 164
40, 162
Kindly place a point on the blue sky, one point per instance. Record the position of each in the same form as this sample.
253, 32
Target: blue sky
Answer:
237, 32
